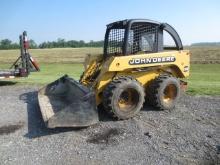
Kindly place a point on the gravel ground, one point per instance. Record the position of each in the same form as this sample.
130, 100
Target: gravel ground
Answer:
190, 134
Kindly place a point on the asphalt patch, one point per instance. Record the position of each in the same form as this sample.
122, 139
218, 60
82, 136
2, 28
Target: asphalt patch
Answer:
106, 137
7, 129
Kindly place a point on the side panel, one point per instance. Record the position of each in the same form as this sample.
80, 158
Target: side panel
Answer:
179, 59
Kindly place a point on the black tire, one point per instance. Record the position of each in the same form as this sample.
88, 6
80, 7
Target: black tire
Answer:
123, 97
163, 92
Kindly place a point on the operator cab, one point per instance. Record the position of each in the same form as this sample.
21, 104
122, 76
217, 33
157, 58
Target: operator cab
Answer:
135, 36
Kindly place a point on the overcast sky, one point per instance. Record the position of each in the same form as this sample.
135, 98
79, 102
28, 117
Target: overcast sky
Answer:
47, 20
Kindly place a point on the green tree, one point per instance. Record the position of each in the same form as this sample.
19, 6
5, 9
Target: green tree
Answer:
32, 44
5, 44
61, 43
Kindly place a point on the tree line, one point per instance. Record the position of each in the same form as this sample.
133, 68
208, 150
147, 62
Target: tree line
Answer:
206, 44
60, 43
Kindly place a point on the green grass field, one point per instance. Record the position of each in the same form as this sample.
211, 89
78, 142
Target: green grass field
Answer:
51, 72
204, 78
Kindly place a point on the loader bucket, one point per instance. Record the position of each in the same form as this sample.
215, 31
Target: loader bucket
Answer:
67, 103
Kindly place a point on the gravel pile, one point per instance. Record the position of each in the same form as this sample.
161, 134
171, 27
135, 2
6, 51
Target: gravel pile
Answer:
189, 134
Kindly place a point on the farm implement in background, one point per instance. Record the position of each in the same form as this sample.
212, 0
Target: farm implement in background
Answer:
24, 64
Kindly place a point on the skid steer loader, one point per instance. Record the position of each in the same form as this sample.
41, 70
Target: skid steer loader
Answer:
135, 67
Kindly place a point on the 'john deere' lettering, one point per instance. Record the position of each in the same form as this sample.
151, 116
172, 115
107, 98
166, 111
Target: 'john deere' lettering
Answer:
138, 61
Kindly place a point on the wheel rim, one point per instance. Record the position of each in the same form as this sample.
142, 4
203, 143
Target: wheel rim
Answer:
170, 93
128, 100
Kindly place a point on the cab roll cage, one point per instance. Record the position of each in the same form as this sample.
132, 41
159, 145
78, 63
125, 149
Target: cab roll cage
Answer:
127, 25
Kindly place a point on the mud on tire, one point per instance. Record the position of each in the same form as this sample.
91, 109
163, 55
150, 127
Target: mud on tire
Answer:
123, 97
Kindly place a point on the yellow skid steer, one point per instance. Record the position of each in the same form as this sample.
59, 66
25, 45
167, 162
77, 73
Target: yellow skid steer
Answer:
136, 66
